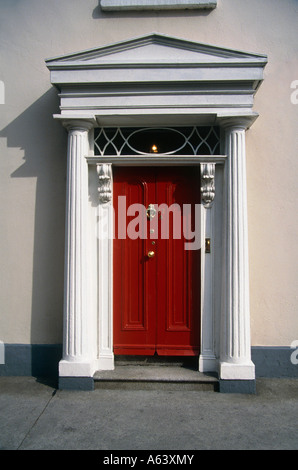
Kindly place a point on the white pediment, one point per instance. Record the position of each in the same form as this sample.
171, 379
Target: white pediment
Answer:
157, 75
154, 49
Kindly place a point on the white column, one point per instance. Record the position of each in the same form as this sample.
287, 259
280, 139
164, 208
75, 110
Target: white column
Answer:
235, 348
77, 358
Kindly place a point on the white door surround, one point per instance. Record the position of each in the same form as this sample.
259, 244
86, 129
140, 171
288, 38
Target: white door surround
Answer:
157, 81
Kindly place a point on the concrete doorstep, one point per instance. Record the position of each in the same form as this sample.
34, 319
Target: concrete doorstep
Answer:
154, 377
157, 373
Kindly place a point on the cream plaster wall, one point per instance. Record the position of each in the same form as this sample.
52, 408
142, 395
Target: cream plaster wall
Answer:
33, 149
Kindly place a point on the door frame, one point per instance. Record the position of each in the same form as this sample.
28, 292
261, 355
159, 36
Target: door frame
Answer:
210, 262
88, 318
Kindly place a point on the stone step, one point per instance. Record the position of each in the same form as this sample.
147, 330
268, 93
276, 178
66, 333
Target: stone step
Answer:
183, 361
154, 377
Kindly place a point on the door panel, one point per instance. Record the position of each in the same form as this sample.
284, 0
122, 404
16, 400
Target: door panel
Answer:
178, 273
156, 300
134, 330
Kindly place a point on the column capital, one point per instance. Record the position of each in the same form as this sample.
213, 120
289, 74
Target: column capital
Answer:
237, 122
81, 123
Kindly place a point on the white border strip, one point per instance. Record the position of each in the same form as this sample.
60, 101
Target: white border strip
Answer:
118, 5
155, 160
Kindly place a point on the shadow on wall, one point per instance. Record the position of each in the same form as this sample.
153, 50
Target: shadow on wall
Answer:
45, 144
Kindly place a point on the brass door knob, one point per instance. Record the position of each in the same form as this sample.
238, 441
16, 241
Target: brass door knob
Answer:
150, 254
151, 211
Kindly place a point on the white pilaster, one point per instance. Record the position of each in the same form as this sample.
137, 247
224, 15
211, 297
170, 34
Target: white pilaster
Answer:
207, 359
78, 355
235, 347
105, 229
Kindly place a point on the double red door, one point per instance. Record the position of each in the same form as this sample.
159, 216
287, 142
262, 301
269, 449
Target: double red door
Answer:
156, 279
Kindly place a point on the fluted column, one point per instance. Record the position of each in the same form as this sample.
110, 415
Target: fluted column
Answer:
77, 360
235, 346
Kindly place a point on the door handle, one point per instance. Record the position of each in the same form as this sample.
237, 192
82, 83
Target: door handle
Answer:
150, 254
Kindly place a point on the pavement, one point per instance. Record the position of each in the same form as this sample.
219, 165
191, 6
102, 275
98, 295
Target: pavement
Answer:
34, 415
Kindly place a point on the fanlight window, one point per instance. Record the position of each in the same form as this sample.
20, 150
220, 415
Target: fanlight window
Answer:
167, 141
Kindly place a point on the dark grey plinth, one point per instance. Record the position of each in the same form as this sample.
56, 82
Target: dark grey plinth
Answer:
237, 386
274, 361
76, 383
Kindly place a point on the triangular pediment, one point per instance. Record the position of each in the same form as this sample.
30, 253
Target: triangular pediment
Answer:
154, 49
156, 74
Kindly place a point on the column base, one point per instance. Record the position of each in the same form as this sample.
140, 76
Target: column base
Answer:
237, 386
76, 368
234, 371
105, 362
208, 363
79, 375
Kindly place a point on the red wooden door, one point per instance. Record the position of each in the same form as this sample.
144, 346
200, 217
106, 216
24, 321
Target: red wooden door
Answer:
156, 299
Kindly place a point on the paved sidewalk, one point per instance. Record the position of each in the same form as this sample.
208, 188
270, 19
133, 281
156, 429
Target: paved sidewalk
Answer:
34, 415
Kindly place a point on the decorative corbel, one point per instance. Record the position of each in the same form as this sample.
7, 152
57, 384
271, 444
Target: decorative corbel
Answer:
207, 184
104, 171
